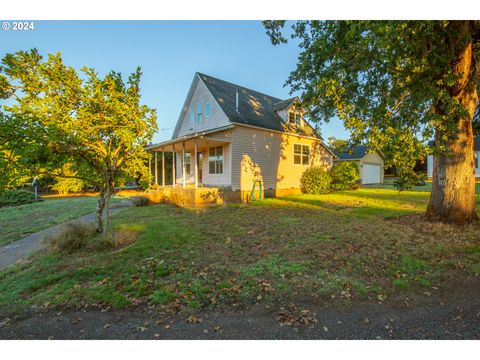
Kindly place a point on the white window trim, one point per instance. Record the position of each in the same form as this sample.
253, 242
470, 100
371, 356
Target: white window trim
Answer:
301, 155
223, 160
210, 105
288, 117
191, 120
189, 162
201, 113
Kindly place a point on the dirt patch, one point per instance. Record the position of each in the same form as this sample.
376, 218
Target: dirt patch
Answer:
453, 314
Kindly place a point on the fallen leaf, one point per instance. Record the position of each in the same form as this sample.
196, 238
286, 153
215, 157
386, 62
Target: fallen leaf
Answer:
194, 320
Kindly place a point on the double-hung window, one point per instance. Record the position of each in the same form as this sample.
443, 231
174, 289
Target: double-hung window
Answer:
298, 119
301, 154
187, 163
215, 160
291, 117
191, 116
199, 113
208, 110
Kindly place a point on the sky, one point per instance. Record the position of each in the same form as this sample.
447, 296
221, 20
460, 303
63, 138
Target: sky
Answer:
169, 53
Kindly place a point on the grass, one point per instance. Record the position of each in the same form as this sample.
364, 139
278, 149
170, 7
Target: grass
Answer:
19, 221
340, 247
388, 184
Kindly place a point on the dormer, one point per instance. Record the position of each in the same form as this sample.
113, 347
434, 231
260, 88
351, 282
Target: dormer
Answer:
291, 112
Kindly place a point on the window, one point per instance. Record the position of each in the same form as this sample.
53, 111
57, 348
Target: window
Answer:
208, 110
298, 119
301, 154
215, 160
191, 116
291, 117
475, 157
199, 113
188, 161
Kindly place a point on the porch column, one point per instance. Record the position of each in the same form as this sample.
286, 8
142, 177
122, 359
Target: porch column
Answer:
196, 165
149, 171
174, 155
156, 167
163, 168
183, 164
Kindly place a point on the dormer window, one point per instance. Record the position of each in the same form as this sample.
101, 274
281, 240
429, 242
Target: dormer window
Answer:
291, 117
295, 118
298, 119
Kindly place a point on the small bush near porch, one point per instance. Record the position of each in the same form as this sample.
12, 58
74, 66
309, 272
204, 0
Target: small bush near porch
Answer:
342, 247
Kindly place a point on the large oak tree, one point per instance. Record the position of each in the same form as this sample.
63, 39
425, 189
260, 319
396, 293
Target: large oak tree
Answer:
95, 125
396, 84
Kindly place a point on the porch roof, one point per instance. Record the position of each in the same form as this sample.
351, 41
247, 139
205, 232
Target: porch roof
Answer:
200, 138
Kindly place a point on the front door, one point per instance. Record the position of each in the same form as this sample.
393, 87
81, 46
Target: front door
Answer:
199, 161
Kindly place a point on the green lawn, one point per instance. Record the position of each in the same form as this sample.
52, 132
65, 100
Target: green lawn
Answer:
388, 184
342, 247
19, 221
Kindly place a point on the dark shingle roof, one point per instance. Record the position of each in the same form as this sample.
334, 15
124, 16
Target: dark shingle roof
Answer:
357, 152
255, 108
476, 143
284, 104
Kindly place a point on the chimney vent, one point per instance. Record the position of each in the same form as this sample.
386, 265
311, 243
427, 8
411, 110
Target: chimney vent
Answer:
236, 101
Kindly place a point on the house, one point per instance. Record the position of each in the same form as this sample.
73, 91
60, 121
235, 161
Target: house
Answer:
476, 151
370, 164
229, 138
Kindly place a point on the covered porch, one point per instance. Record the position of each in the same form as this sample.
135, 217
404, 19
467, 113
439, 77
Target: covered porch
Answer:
189, 171
192, 161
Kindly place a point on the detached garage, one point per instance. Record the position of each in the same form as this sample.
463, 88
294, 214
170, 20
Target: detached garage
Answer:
370, 165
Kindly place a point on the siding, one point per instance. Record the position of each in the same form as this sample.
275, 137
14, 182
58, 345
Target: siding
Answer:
215, 120
265, 155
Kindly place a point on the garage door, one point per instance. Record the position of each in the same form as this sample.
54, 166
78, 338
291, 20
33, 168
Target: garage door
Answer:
371, 174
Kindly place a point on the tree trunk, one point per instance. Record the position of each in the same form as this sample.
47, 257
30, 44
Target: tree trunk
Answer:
453, 178
453, 181
100, 207
108, 195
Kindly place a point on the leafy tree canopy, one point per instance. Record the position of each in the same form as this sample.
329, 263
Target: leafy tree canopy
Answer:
95, 124
383, 79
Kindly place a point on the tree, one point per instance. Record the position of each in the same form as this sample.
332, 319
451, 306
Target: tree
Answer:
95, 124
338, 145
397, 84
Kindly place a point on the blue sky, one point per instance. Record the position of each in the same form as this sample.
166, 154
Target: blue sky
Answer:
169, 52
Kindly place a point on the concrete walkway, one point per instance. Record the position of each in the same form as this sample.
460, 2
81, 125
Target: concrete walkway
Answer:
14, 252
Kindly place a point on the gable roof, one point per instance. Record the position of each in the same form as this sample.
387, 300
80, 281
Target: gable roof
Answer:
476, 143
254, 108
355, 153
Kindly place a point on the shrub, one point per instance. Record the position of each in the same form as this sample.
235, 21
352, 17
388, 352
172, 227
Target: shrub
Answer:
140, 201
16, 197
345, 176
408, 180
120, 238
315, 180
72, 237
